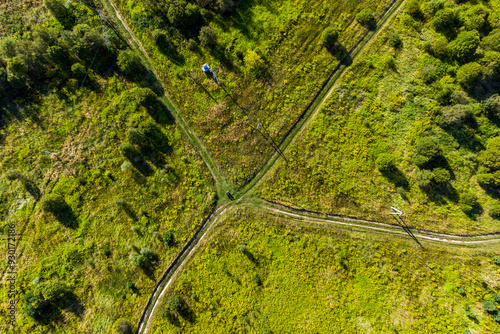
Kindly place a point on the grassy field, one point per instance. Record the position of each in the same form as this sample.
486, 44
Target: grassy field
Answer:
269, 58
261, 273
114, 209
386, 103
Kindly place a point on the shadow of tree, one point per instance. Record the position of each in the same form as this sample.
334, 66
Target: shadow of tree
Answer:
397, 177
66, 216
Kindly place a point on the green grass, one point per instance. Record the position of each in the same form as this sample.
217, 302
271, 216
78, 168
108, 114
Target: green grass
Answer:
376, 108
174, 193
286, 36
353, 282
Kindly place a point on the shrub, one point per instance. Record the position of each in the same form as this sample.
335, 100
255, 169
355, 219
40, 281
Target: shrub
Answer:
489, 179
136, 137
496, 297
124, 327
175, 303
78, 70
144, 259
254, 62
440, 48
127, 150
441, 175
394, 39
365, 17
130, 63
496, 260
427, 148
385, 162
168, 238
490, 157
465, 45
468, 74
468, 202
461, 292
475, 18
495, 211
424, 178
53, 203
491, 106
413, 8
429, 73
208, 36
329, 37
45, 299
489, 306
126, 166
120, 202
8, 47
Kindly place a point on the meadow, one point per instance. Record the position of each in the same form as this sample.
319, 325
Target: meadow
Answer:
404, 128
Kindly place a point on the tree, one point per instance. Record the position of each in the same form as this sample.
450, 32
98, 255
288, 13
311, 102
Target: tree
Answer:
476, 18
440, 48
490, 158
492, 41
124, 327
329, 37
491, 106
146, 258
182, 14
465, 45
45, 299
454, 116
8, 47
386, 162
53, 203
60, 12
468, 74
445, 20
365, 17
130, 63
78, 70
208, 36
441, 175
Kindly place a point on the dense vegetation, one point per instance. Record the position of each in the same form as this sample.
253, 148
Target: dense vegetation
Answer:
268, 56
99, 223
261, 273
414, 123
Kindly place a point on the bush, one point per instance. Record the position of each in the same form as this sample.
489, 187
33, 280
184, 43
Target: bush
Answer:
468, 202
490, 158
441, 175
394, 39
78, 70
496, 260
329, 37
53, 203
45, 299
491, 106
465, 45
145, 258
427, 148
413, 8
424, 178
130, 63
495, 211
476, 17
254, 62
386, 162
468, 74
489, 306
126, 166
175, 303
208, 36
124, 327
127, 150
461, 292
168, 238
136, 137
440, 48
492, 41
365, 17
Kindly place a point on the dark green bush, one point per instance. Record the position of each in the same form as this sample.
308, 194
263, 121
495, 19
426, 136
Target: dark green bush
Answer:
175, 303
182, 14
496, 260
454, 116
365, 17
424, 178
465, 45
461, 291
492, 41
445, 20
491, 106
394, 39
145, 258
136, 137
495, 211
468, 202
53, 203
208, 36
329, 37
413, 8
440, 48
124, 327
385, 162
128, 150
130, 63
468, 74
427, 148
168, 238
489, 306
441, 175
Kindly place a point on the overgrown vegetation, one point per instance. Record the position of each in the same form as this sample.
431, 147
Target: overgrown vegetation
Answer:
352, 282
413, 124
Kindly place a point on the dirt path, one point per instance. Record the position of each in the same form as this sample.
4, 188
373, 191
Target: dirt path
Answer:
193, 245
